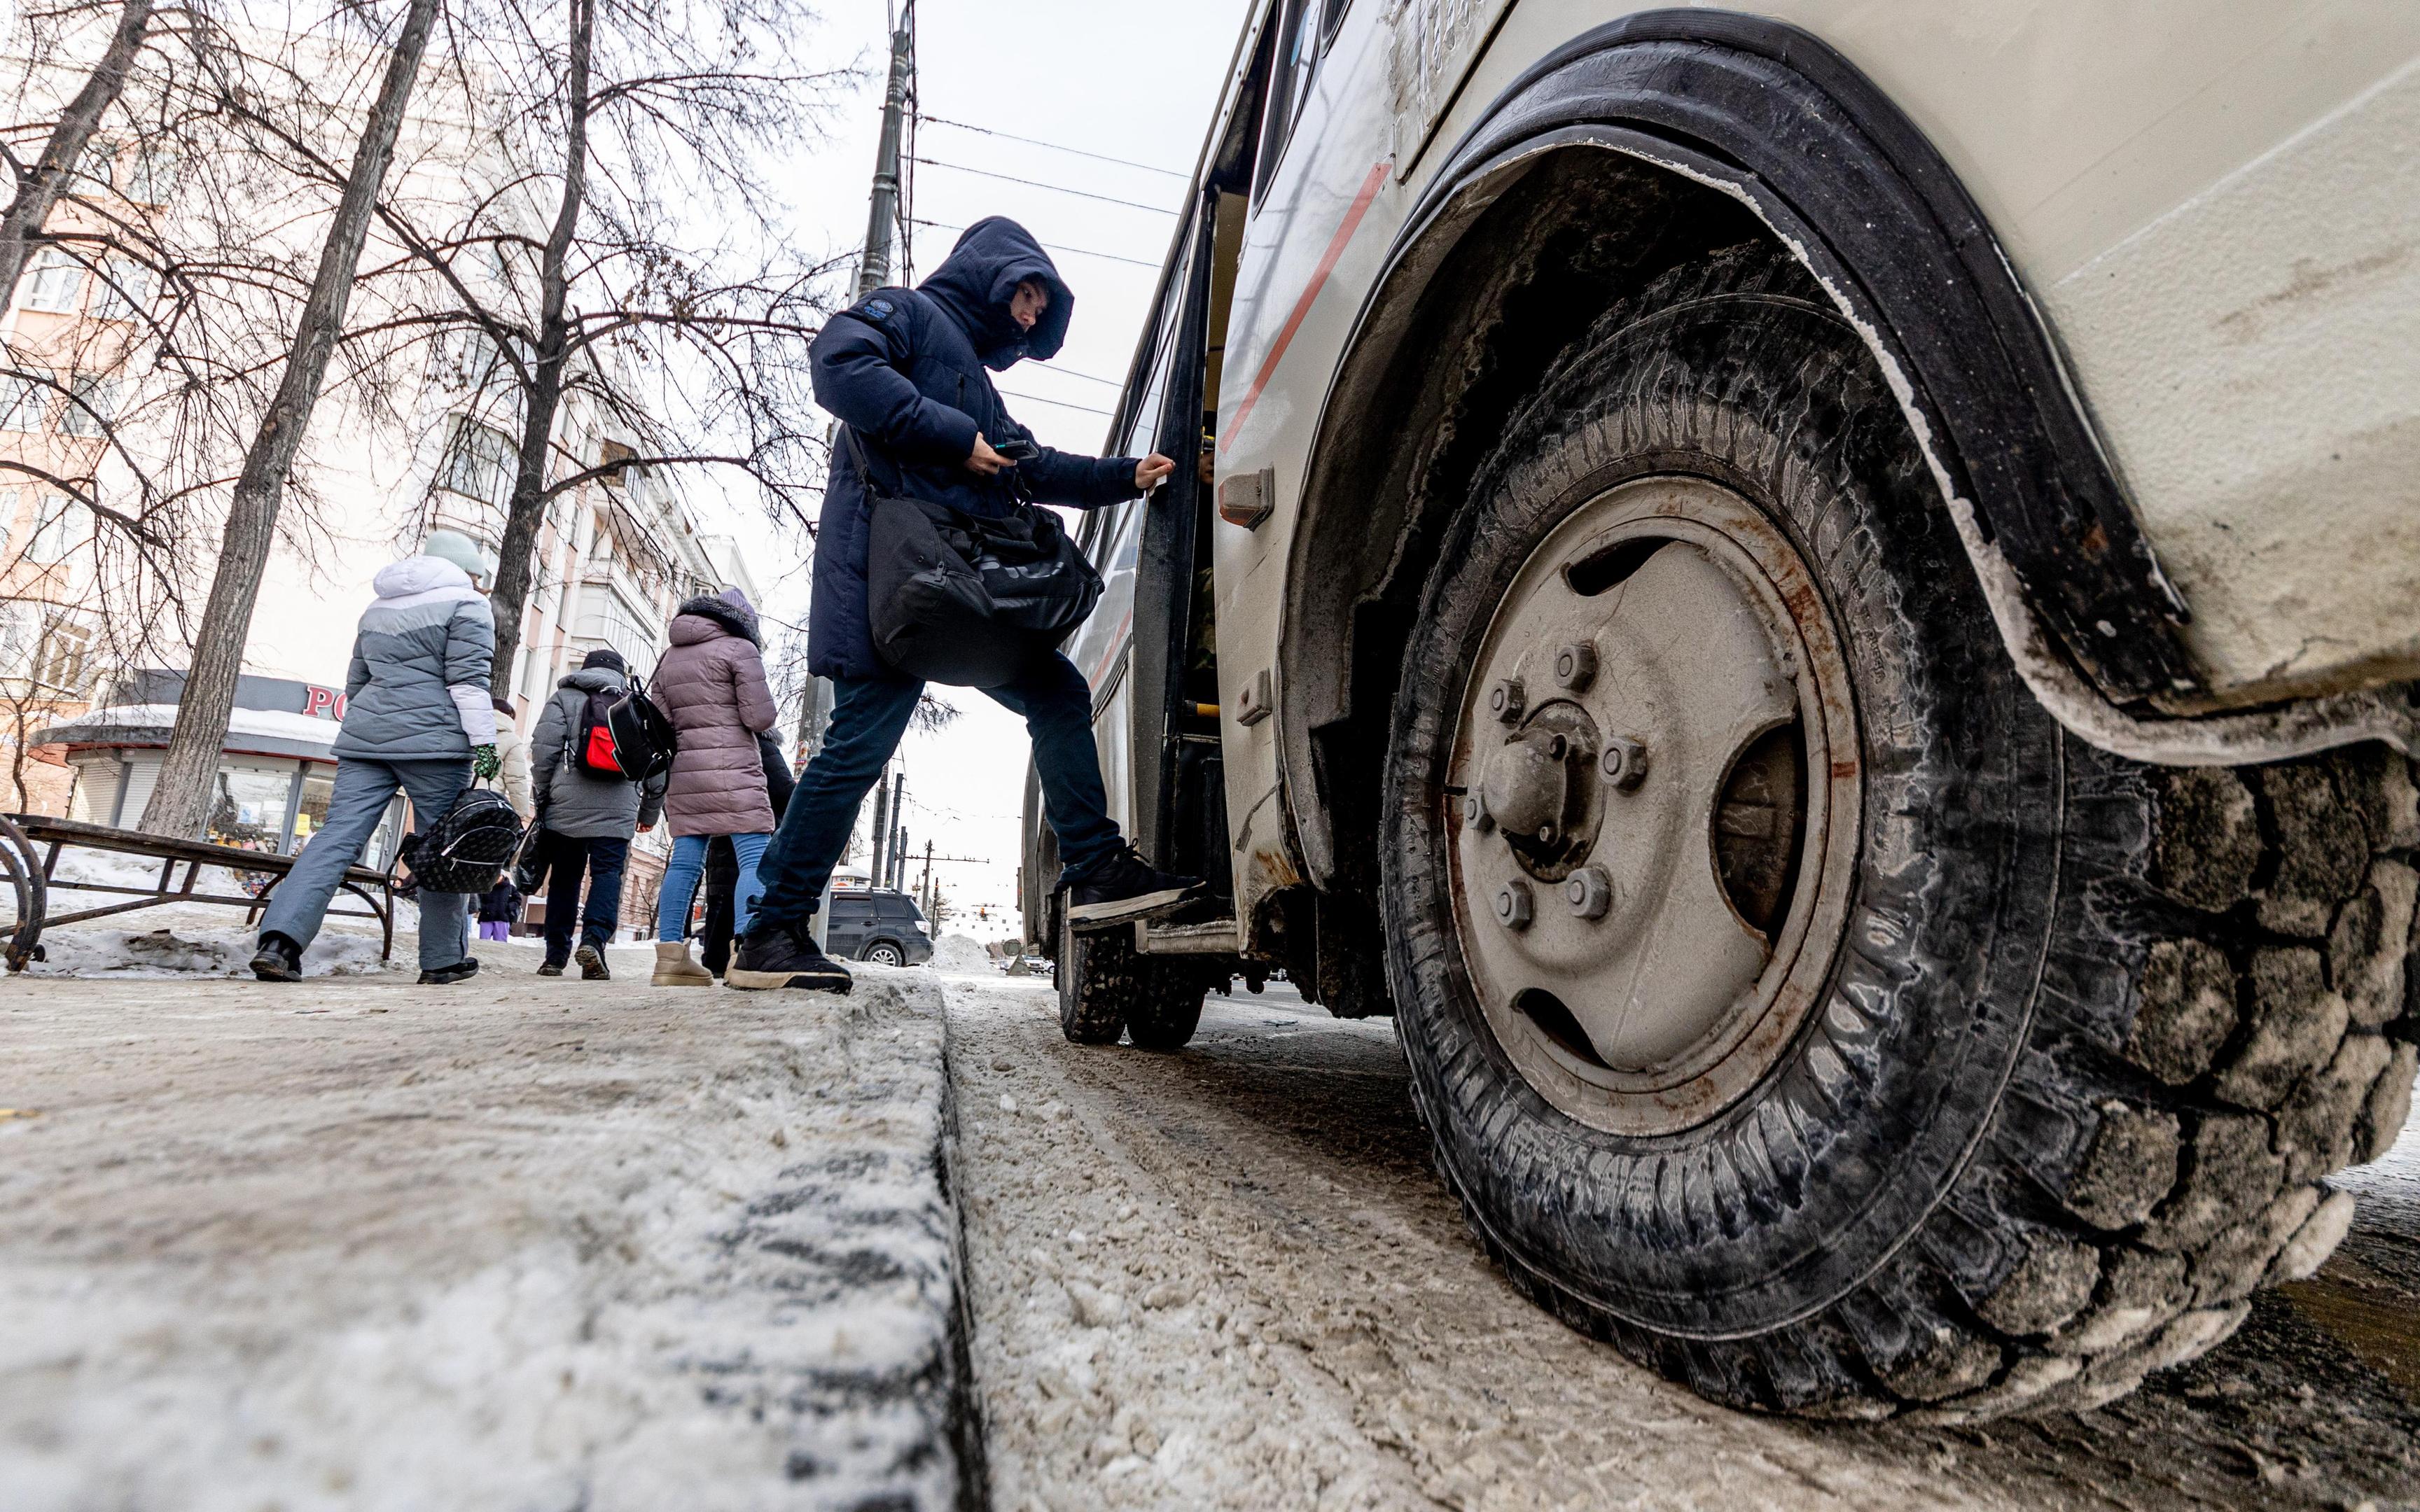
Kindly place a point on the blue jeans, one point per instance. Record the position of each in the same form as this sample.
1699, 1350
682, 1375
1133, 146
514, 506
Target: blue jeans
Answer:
363, 790
567, 857
687, 864
868, 718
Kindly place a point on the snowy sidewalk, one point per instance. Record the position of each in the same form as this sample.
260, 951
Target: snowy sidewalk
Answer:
519, 1243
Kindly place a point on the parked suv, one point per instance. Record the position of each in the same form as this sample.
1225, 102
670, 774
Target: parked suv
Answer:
1822, 609
878, 925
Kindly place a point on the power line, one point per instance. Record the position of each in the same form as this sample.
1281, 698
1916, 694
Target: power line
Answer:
1069, 372
1036, 183
1081, 252
1033, 142
1060, 403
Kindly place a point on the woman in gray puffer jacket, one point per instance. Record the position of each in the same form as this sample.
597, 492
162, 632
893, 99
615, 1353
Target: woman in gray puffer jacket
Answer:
587, 819
711, 684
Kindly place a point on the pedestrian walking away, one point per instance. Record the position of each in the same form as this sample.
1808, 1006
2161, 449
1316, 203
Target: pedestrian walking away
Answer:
711, 684
418, 718
588, 810
501, 905
512, 778
723, 863
908, 371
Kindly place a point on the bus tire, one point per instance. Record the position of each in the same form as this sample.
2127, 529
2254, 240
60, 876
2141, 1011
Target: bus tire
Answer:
2084, 1038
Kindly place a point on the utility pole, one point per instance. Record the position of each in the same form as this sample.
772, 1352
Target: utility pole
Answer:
899, 826
928, 879
883, 214
881, 831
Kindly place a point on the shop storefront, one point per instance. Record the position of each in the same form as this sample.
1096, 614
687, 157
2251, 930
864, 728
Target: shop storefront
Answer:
275, 773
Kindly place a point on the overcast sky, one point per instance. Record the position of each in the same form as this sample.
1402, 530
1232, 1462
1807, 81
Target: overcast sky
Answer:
1111, 77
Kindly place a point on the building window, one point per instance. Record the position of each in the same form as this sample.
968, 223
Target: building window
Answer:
53, 282
608, 618
249, 803
92, 405
60, 527
62, 658
126, 290
481, 464
150, 176
25, 399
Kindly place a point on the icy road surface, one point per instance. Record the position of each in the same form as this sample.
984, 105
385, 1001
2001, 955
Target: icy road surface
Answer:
1227, 1278
518, 1243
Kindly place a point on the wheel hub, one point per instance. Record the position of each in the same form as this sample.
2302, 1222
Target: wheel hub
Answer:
1642, 859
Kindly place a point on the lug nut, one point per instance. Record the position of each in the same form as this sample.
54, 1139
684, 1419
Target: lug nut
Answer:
1512, 906
1625, 762
1589, 891
1475, 814
1575, 665
1505, 700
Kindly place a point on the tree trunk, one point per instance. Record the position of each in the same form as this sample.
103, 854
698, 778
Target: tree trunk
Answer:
179, 804
20, 225
527, 509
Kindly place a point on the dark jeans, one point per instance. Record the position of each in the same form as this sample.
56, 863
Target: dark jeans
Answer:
868, 718
565, 855
721, 882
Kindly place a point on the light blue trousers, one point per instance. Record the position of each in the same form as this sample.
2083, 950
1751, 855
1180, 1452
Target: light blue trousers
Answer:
681, 874
363, 790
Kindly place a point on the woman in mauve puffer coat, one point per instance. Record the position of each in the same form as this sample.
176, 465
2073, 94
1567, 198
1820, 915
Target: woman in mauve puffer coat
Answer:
711, 683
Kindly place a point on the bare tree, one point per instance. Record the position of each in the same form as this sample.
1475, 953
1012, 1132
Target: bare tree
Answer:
665, 299
180, 803
39, 183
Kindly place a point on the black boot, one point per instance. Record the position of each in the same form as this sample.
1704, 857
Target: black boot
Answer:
279, 958
591, 957
1122, 888
784, 956
447, 976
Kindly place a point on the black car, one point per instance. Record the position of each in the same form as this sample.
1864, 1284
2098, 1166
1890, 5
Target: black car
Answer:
878, 925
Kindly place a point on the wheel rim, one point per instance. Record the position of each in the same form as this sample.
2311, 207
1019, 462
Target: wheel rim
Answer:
1654, 813
885, 956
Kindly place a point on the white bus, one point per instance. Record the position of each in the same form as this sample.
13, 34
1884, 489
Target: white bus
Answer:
1819, 602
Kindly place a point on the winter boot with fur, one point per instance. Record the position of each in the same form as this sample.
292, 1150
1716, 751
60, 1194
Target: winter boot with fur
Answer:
673, 968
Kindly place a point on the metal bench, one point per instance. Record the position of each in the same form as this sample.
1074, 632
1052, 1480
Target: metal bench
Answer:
30, 846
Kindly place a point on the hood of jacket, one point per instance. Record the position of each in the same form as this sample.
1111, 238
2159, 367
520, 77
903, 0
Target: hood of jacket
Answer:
720, 613
975, 284
595, 679
415, 576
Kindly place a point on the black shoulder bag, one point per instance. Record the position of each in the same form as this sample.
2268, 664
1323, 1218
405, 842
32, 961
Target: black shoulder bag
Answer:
954, 598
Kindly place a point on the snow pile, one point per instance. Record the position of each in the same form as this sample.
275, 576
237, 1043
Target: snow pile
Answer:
958, 952
188, 950
516, 1244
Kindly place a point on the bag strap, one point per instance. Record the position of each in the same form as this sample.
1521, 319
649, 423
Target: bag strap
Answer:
865, 478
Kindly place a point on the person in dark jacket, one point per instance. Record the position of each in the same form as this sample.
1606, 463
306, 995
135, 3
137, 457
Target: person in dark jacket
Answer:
585, 819
711, 684
418, 717
722, 863
908, 371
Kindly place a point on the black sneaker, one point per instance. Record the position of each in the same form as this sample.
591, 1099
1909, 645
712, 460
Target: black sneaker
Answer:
446, 975
551, 968
784, 957
279, 958
591, 962
1122, 888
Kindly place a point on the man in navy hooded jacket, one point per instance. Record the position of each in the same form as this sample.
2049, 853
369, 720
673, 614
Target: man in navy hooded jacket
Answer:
909, 372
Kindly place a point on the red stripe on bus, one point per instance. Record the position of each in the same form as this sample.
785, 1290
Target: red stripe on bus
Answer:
1362, 203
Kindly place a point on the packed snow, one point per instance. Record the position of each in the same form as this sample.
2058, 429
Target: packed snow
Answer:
518, 1243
